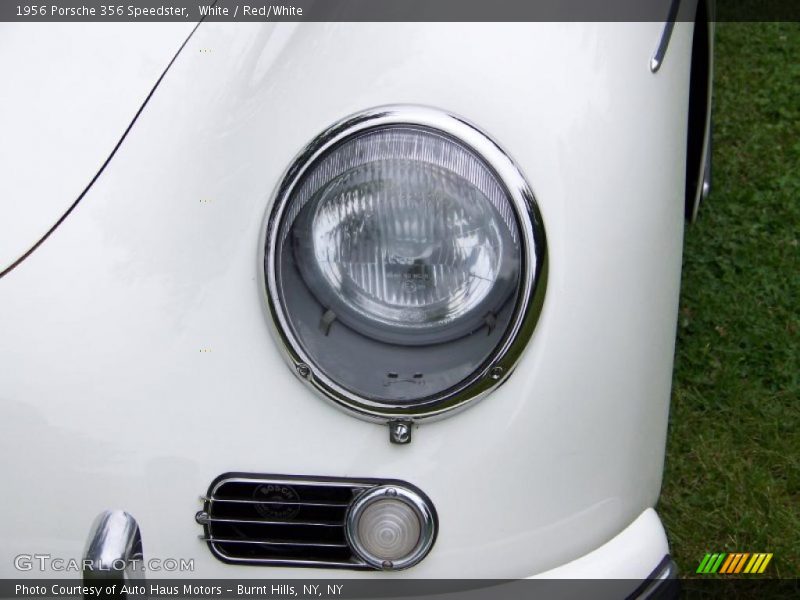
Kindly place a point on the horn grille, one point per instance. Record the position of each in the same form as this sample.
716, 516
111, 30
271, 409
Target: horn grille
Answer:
282, 520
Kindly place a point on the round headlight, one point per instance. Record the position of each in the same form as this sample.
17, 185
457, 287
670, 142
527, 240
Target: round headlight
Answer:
403, 260
407, 237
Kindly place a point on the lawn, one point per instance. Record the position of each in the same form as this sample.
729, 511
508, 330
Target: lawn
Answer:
732, 480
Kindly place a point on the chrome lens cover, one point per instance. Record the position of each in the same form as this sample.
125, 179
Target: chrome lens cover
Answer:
371, 536
505, 243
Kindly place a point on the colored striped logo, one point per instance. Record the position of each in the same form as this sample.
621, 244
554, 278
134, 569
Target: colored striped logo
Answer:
736, 562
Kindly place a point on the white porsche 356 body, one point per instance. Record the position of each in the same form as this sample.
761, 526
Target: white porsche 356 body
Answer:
353, 297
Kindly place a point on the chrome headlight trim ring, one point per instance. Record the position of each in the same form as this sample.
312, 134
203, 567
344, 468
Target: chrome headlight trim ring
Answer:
533, 276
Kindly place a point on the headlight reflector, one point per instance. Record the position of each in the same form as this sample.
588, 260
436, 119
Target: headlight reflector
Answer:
409, 238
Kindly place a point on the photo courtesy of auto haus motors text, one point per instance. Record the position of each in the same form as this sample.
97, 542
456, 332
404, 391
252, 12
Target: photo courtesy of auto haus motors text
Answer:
399, 298
133, 589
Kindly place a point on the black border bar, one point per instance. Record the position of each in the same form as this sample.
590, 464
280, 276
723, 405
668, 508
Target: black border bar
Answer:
388, 10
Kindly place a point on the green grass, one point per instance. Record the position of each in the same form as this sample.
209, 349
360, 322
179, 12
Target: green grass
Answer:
732, 480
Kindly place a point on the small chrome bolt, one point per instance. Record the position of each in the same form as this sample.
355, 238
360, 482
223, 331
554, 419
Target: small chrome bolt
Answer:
400, 432
391, 492
201, 517
496, 373
387, 564
303, 370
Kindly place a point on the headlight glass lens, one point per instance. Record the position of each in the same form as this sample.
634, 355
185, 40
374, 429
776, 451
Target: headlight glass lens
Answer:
406, 241
397, 263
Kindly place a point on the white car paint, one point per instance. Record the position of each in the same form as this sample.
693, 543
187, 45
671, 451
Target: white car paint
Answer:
630, 555
137, 364
69, 92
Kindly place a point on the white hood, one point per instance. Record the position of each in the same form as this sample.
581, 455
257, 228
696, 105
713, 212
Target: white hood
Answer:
68, 93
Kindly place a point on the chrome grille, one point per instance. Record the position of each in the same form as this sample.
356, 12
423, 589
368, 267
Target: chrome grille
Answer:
281, 520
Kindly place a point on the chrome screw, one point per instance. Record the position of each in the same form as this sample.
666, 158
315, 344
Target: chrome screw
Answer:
303, 370
387, 564
400, 432
496, 373
201, 517
391, 492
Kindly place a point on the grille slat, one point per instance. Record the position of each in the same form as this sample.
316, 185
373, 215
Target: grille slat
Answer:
281, 520
214, 540
215, 499
257, 522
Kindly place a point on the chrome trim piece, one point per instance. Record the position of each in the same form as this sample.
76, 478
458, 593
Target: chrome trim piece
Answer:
213, 540
424, 513
533, 277
400, 432
208, 519
660, 584
661, 50
280, 502
363, 493
705, 187
113, 549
